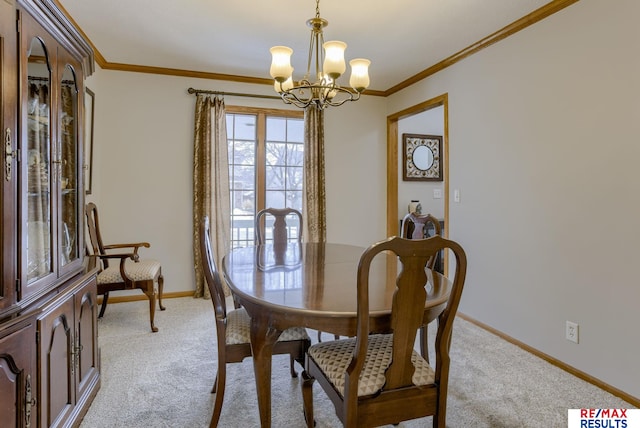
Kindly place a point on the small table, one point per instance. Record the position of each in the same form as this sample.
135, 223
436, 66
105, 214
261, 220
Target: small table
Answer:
311, 285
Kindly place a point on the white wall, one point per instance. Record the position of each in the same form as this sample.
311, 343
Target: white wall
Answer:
355, 157
143, 151
543, 131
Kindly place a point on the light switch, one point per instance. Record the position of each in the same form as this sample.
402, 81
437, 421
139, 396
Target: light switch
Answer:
437, 193
456, 195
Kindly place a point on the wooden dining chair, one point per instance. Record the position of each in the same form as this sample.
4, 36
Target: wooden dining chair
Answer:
414, 226
280, 226
280, 231
379, 379
128, 271
233, 327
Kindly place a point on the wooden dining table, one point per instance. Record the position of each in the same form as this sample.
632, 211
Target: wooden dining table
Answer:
312, 285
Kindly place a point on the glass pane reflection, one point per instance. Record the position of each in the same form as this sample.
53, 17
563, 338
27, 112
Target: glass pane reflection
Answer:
39, 258
69, 166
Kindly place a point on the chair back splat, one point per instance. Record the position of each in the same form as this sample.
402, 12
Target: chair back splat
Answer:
377, 378
414, 226
280, 227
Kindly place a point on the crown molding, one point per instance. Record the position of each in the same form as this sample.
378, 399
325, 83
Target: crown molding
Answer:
516, 26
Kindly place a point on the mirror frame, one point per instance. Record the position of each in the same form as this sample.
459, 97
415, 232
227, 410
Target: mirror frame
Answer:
411, 142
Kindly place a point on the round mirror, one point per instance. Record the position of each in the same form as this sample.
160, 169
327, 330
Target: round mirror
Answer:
423, 158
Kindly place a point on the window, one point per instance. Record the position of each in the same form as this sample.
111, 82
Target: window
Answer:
266, 153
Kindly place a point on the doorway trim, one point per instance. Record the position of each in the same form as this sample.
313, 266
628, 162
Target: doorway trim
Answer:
392, 160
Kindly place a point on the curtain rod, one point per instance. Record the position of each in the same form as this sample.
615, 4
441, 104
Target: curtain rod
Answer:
231, 94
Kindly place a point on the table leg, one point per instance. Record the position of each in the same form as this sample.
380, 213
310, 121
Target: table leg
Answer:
263, 337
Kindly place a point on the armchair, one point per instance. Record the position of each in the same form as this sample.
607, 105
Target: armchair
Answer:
123, 269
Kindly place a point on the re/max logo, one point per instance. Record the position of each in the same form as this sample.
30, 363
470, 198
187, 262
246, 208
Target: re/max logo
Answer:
603, 418
603, 413
603, 423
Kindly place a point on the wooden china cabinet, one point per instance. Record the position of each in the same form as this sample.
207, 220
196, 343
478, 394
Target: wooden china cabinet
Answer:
49, 356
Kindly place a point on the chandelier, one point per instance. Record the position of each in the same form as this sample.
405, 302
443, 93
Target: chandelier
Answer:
324, 91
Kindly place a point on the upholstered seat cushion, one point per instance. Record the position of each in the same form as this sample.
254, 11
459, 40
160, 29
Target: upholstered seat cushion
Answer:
239, 327
142, 270
334, 357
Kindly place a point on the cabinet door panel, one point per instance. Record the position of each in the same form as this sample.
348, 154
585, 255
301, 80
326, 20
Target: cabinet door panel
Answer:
57, 390
9, 168
86, 340
16, 375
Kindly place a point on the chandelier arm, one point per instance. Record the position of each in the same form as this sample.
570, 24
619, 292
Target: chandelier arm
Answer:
318, 95
302, 102
352, 97
290, 98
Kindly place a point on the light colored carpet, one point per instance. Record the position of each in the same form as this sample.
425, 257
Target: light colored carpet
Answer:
164, 379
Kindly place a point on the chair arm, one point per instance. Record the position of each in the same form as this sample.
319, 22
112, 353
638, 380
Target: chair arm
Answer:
135, 246
123, 258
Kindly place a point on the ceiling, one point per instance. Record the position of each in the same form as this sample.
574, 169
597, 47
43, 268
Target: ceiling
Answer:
401, 38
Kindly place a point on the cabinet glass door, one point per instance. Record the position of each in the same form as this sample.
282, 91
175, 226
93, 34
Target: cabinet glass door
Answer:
39, 177
10, 166
69, 221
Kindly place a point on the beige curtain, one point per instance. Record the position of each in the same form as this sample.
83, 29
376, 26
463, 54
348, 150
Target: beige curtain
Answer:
210, 182
314, 204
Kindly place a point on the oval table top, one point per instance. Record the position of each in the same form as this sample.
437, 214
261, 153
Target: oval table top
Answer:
318, 280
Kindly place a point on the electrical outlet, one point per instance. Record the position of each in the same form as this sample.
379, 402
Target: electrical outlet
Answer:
571, 331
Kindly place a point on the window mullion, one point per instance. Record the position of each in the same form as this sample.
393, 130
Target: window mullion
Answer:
261, 162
